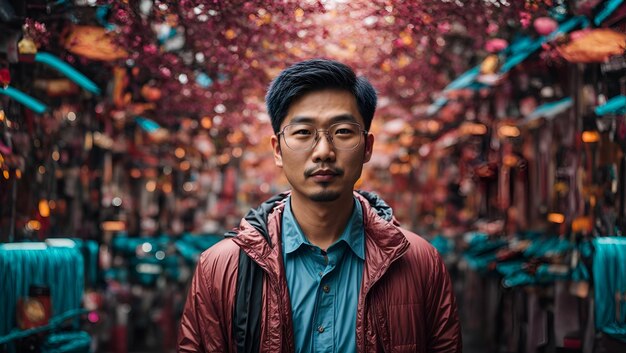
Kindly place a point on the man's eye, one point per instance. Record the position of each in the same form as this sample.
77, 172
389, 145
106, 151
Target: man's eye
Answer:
344, 131
303, 132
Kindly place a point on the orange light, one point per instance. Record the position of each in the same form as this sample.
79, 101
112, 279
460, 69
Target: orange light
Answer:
185, 165
113, 226
151, 186
33, 224
135, 173
508, 131
509, 160
6, 174
433, 126
474, 129
167, 188
18, 174
591, 136
235, 137
224, 159
179, 152
44, 208
206, 122
582, 224
230, 34
556, 218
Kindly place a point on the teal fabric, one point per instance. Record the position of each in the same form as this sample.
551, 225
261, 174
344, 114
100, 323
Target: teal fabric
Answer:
67, 342
61, 269
324, 286
481, 251
55, 323
443, 245
609, 278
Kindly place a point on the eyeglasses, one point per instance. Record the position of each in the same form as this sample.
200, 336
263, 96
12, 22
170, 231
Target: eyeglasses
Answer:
303, 136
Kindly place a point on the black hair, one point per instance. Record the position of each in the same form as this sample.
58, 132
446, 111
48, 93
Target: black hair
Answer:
314, 75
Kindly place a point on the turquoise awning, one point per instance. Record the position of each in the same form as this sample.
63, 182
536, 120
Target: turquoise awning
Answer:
436, 105
523, 47
148, 125
615, 105
551, 109
24, 99
608, 7
464, 79
67, 70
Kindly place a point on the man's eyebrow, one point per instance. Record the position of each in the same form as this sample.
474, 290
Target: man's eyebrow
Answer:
336, 119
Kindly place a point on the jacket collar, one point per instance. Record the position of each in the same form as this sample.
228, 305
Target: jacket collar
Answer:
259, 232
352, 235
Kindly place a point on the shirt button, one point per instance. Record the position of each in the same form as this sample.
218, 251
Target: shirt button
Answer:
320, 329
326, 288
321, 274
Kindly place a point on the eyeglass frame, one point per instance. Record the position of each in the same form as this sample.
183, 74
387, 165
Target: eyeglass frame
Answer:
318, 138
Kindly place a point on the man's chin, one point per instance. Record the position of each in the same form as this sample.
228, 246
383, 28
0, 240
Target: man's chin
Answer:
325, 196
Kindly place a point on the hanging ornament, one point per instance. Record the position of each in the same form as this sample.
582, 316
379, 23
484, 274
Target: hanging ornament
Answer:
489, 65
93, 43
5, 77
596, 45
26, 49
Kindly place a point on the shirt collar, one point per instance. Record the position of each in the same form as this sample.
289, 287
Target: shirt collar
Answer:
353, 234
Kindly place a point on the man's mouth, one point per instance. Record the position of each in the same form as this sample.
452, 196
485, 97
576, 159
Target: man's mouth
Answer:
324, 174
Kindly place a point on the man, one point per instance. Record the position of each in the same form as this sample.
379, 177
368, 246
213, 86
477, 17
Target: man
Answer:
321, 268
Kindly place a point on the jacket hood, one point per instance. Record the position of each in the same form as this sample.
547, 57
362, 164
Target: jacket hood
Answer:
257, 217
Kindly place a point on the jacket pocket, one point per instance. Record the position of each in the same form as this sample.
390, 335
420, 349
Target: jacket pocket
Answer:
405, 327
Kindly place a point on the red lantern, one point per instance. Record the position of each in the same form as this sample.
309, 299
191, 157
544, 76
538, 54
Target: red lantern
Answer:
5, 77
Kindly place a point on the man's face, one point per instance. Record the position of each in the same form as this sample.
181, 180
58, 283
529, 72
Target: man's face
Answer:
324, 172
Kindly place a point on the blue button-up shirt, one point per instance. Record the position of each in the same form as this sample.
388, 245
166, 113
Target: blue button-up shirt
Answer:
324, 286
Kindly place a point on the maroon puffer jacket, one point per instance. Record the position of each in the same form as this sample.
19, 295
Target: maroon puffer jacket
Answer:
406, 302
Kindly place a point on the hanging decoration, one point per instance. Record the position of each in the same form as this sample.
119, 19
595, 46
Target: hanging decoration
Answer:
27, 49
94, 43
596, 45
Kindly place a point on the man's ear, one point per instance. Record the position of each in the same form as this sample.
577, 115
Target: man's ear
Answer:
278, 156
369, 147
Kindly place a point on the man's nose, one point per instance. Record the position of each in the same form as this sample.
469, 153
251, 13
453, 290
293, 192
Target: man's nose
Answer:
323, 148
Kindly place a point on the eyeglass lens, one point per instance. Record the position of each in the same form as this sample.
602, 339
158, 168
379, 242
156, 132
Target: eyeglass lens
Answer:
344, 136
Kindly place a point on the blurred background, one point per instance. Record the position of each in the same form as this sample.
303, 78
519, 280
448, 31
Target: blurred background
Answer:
133, 134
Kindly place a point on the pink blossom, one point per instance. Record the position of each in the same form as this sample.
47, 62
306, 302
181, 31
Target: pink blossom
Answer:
496, 45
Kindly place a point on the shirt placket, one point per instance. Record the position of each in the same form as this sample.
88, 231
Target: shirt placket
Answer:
323, 337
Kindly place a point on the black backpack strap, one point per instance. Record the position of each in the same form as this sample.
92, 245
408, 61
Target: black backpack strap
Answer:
248, 301
249, 293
